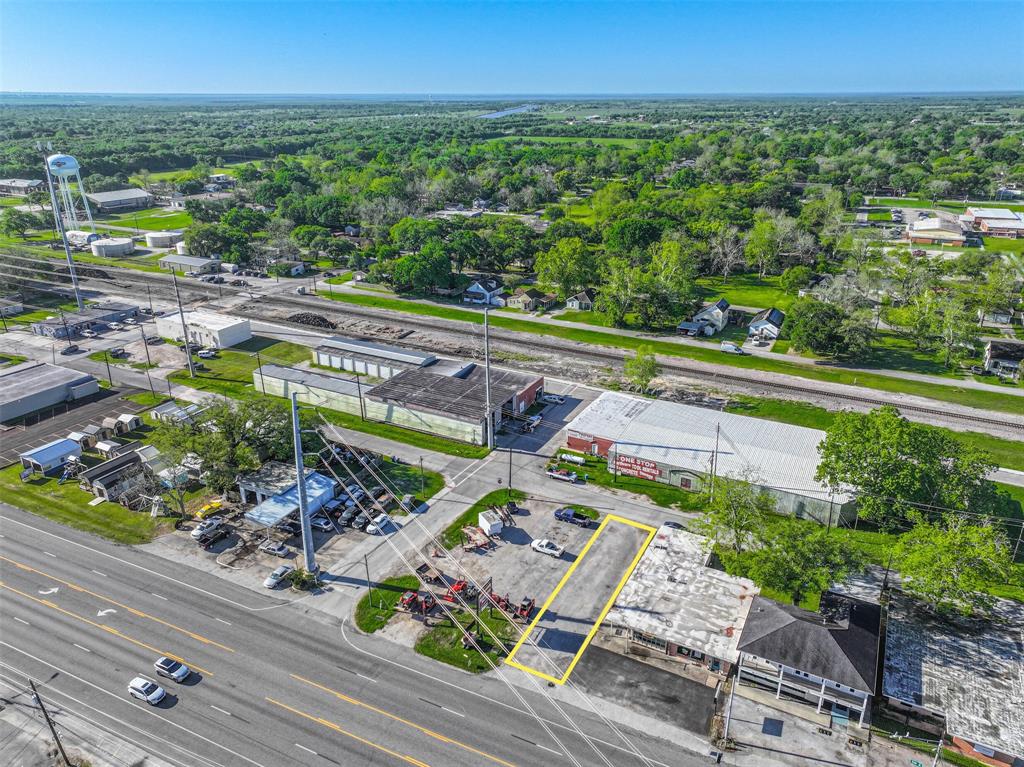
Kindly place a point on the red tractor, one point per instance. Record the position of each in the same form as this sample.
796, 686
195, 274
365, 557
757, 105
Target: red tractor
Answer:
503, 603
417, 602
461, 588
525, 609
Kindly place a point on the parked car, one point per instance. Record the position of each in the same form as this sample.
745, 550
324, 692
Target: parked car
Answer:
380, 525
172, 669
280, 574
90, 334
206, 354
70, 349
143, 689
346, 517
210, 509
274, 548
569, 514
323, 524
563, 475
730, 347
290, 526
553, 399
118, 352
544, 546
154, 340
334, 505
131, 321
207, 526
673, 525
362, 519
115, 326
210, 538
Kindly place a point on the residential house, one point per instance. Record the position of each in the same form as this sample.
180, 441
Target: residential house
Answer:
826, 659
114, 478
674, 608
709, 320
530, 299
481, 204
51, 457
767, 324
1000, 316
486, 290
1004, 357
582, 301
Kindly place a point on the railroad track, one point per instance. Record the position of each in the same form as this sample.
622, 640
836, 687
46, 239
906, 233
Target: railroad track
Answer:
161, 284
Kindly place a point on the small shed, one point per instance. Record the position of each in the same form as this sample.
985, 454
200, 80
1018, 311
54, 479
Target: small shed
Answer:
97, 432
129, 421
108, 448
52, 456
114, 425
490, 522
85, 441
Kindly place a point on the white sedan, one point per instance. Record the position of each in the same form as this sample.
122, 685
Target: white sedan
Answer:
143, 689
275, 578
206, 526
544, 546
172, 669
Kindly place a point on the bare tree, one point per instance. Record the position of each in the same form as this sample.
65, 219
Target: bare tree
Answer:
726, 250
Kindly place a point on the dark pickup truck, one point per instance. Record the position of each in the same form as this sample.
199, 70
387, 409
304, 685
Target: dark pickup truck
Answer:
569, 514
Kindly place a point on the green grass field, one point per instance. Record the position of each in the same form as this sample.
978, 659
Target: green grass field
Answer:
747, 290
879, 215
668, 496
444, 642
970, 397
153, 219
952, 205
69, 505
377, 606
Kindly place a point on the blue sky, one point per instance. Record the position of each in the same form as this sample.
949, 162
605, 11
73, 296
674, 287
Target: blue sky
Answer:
495, 47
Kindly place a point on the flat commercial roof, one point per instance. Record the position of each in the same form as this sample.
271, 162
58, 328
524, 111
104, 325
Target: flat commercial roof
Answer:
673, 595
313, 380
173, 258
119, 194
463, 398
29, 378
208, 320
994, 213
275, 509
95, 313
969, 670
362, 346
778, 455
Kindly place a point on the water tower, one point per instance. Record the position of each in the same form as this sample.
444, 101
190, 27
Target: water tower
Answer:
65, 171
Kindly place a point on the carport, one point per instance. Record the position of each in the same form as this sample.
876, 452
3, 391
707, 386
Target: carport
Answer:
272, 511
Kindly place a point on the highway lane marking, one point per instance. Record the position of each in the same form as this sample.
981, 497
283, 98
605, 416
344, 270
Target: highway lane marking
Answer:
361, 676
533, 743
123, 561
538, 745
443, 708
47, 553
309, 750
125, 699
21, 621
132, 610
336, 728
159, 597
99, 573
489, 699
101, 627
218, 708
81, 648
221, 619
396, 718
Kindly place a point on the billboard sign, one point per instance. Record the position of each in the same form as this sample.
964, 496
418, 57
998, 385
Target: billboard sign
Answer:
636, 467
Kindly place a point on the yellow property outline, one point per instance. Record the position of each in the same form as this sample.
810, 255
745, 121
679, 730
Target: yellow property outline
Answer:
608, 605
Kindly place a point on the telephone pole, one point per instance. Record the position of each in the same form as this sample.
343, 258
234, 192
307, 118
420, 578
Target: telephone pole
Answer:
184, 326
149, 362
487, 378
49, 722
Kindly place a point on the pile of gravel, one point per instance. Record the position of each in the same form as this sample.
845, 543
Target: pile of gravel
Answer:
315, 320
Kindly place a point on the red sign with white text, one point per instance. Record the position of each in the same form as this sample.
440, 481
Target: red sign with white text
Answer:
636, 467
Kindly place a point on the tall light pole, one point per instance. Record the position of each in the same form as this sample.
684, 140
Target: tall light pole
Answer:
60, 229
300, 471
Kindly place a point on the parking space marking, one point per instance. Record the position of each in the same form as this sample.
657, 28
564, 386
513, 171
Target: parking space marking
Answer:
510, 660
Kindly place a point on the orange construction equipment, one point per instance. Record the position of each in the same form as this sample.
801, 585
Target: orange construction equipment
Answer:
461, 588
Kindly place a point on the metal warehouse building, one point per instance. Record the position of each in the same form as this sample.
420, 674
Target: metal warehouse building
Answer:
369, 358
451, 405
33, 386
678, 445
122, 199
218, 331
73, 323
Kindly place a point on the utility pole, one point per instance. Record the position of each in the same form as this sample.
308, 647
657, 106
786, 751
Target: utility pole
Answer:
106, 358
259, 367
145, 345
49, 722
508, 496
300, 470
359, 391
184, 325
487, 379
60, 229
421, 476
938, 748
149, 294
67, 331
714, 461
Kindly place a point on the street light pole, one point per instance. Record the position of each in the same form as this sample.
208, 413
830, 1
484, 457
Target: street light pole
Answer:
487, 380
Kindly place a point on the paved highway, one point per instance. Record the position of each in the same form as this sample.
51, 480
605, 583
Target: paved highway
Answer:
275, 684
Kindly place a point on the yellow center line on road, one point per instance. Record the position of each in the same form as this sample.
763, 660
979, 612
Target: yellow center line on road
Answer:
396, 718
336, 728
126, 608
101, 627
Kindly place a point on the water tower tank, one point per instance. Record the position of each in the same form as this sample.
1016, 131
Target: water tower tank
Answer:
62, 165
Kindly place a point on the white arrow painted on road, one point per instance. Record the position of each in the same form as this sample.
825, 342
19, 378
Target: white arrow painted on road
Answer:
45, 592
103, 613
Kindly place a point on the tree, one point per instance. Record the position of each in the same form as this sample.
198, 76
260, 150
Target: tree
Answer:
800, 559
955, 329
210, 240
795, 278
568, 267
618, 291
467, 248
306, 234
734, 513
423, 271
642, 368
17, 223
247, 220
815, 326
951, 565
726, 250
897, 467
631, 234
998, 291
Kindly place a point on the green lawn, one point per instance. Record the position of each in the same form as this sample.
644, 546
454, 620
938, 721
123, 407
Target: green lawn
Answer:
154, 219
68, 505
405, 478
1004, 245
452, 535
53, 308
971, 397
879, 215
953, 205
230, 375
378, 605
747, 290
146, 398
102, 357
444, 642
7, 360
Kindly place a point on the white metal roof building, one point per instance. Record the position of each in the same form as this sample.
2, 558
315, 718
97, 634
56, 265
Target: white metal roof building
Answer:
211, 329
677, 444
675, 599
121, 199
33, 386
368, 358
